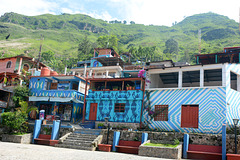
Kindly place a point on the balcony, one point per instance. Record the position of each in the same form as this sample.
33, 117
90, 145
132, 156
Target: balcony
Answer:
56, 95
115, 95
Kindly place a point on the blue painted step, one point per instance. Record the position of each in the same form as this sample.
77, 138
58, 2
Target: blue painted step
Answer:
88, 124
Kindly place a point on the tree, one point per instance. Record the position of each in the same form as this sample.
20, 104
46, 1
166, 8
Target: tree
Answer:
108, 41
171, 46
132, 22
124, 22
85, 49
172, 49
20, 93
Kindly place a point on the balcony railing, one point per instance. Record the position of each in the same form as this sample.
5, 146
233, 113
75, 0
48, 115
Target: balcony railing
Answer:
59, 93
115, 95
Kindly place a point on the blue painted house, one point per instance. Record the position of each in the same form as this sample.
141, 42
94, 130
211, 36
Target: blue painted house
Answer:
120, 99
114, 92
199, 98
59, 95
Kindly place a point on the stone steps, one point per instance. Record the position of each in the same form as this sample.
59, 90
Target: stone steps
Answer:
88, 131
81, 139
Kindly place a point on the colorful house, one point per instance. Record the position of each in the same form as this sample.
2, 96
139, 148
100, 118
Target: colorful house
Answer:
11, 69
106, 63
199, 98
119, 99
110, 94
59, 95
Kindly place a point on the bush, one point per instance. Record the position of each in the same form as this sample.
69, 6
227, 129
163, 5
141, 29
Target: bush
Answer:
14, 122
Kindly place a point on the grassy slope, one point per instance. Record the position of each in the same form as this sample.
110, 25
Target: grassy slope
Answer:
62, 33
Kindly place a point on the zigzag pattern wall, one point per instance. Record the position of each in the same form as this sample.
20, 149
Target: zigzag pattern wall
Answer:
233, 96
212, 108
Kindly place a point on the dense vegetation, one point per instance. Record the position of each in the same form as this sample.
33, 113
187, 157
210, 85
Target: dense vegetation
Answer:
71, 38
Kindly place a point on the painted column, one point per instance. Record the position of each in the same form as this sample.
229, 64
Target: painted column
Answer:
185, 145
37, 129
201, 77
90, 73
224, 74
79, 85
19, 67
224, 142
107, 74
116, 138
144, 137
180, 79
73, 73
55, 129
65, 70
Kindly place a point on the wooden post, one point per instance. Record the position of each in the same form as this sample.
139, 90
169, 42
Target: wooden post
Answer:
122, 85
9, 95
84, 105
144, 82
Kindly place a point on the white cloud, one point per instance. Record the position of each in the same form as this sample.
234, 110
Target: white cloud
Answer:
157, 12
161, 12
67, 10
103, 15
27, 7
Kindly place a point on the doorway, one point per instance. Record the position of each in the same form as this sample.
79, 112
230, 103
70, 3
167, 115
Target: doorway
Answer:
93, 111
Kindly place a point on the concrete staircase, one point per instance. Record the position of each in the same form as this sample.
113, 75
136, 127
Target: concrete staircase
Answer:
84, 139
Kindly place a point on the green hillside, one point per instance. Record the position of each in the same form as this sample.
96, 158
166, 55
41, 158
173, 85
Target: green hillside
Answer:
63, 33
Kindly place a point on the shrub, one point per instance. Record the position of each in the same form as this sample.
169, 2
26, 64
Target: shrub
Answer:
100, 124
14, 122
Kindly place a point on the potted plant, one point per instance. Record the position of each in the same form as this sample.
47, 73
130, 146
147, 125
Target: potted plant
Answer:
115, 88
100, 125
124, 128
128, 87
93, 88
105, 147
133, 88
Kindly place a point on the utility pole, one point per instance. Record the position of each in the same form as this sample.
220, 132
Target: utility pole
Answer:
40, 50
199, 41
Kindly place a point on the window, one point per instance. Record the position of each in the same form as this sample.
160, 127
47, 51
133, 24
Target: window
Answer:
9, 63
119, 107
213, 77
189, 116
191, 79
161, 112
233, 81
26, 67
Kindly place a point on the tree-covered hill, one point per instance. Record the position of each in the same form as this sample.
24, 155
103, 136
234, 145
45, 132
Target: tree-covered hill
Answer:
64, 35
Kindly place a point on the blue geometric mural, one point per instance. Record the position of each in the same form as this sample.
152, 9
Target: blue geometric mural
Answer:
106, 101
212, 108
233, 96
37, 89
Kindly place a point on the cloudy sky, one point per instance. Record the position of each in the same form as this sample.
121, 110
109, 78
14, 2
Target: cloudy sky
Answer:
156, 12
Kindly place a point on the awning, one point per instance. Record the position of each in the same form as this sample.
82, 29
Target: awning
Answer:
33, 98
59, 99
54, 99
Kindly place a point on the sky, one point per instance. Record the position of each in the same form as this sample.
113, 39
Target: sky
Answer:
148, 12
